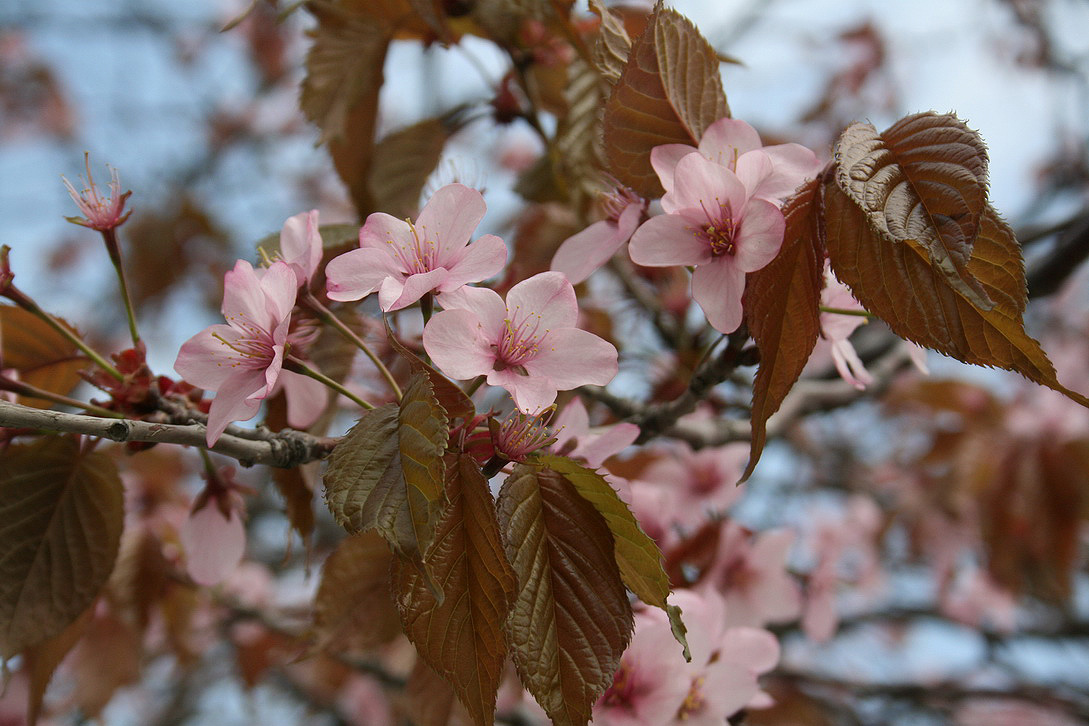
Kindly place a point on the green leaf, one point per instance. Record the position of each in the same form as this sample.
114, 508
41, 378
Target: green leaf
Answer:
461, 637
61, 515
571, 619
669, 93
637, 556
782, 309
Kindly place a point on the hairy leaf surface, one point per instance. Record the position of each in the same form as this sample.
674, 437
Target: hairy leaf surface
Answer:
422, 433
669, 92
43, 357
61, 513
462, 637
637, 556
920, 304
571, 619
782, 311
353, 608
923, 183
613, 44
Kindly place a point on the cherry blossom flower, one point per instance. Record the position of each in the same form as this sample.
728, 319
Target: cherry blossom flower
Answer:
242, 360
100, 213
582, 253
713, 223
836, 329
214, 536
520, 435
703, 481
771, 173
528, 344
751, 574
574, 437
404, 261
651, 683
301, 245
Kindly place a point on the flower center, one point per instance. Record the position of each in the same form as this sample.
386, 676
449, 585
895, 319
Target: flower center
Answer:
694, 702
420, 255
520, 341
521, 435
621, 691
616, 201
255, 348
720, 229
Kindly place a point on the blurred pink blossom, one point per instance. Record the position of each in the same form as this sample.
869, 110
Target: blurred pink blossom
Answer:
750, 573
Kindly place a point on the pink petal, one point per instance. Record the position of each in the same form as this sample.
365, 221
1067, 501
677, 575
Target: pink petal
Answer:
820, 618
664, 159
243, 298
849, 366
548, 295
582, 253
793, 164
450, 217
754, 169
668, 240
238, 400
614, 440
381, 231
759, 236
725, 140
280, 287
300, 244
531, 394
726, 689
213, 544
754, 648
718, 287
478, 261
702, 184
205, 360
306, 398
572, 422
570, 357
393, 294
484, 303
458, 345
358, 273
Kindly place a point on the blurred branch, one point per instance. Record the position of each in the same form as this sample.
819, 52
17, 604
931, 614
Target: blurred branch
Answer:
1047, 274
285, 449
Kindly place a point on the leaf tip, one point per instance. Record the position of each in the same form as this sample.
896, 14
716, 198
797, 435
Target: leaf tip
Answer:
680, 632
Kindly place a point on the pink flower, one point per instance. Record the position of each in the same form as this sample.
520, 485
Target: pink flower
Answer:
528, 345
713, 223
703, 481
771, 173
520, 435
836, 329
404, 261
242, 360
574, 438
99, 213
214, 536
581, 254
651, 683
301, 245
751, 574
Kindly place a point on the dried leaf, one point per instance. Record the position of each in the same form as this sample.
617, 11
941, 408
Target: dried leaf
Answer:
613, 44
669, 93
918, 303
462, 637
61, 514
782, 311
340, 91
41, 661
923, 184
43, 357
405, 158
637, 556
353, 607
571, 619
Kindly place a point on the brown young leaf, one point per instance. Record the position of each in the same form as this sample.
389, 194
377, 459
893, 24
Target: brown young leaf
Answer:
637, 556
922, 183
61, 514
340, 91
43, 357
669, 92
423, 430
782, 311
571, 619
462, 637
42, 660
405, 158
429, 700
353, 607
452, 399
919, 304
613, 44
295, 486
576, 151
140, 576
107, 658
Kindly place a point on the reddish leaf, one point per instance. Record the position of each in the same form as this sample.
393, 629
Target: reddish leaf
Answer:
295, 487
571, 619
422, 432
462, 637
107, 658
669, 93
139, 578
923, 183
43, 357
353, 607
405, 158
450, 397
613, 44
429, 700
782, 310
61, 515
42, 659
919, 304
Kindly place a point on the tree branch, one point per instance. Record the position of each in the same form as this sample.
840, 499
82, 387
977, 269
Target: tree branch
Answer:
285, 449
